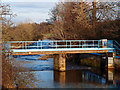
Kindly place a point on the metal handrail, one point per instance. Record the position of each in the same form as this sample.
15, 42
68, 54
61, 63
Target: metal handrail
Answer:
117, 47
117, 43
57, 44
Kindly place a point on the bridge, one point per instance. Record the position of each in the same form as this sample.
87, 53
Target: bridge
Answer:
61, 47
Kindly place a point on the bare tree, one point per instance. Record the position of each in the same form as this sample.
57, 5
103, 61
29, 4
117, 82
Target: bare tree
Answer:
74, 19
6, 16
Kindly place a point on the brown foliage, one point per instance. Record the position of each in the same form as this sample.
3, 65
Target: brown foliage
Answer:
7, 74
26, 31
82, 20
109, 29
13, 78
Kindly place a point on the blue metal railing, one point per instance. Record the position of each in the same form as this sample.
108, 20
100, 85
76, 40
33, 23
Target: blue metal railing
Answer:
116, 45
59, 44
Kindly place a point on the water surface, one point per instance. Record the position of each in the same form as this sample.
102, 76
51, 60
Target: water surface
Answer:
46, 77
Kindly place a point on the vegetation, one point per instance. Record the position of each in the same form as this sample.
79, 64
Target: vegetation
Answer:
83, 20
12, 77
69, 20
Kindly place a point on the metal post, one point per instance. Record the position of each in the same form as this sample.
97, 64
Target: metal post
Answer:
98, 43
22, 45
9, 45
82, 45
112, 43
52, 44
93, 43
25, 45
56, 44
66, 43
37, 45
79, 44
41, 44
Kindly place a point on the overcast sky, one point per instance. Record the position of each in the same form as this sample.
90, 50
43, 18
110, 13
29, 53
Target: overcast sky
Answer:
31, 10
30, 0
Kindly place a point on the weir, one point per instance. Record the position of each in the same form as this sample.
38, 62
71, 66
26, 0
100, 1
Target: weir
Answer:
61, 47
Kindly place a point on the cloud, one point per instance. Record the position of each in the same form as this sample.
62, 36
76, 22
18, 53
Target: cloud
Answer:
31, 0
36, 12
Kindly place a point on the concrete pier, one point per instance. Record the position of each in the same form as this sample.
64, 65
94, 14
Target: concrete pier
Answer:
110, 60
59, 62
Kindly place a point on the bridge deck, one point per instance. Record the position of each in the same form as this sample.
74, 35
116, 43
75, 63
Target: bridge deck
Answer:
61, 50
62, 46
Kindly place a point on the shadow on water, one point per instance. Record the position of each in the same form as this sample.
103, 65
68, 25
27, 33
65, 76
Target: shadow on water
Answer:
87, 79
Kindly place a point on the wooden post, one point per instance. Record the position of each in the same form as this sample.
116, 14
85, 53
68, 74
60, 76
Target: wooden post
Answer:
59, 62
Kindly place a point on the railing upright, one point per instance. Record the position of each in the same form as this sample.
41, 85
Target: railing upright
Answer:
22, 45
52, 45
66, 43
112, 43
82, 44
98, 43
25, 45
56, 44
37, 45
9, 46
79, 44
70, 44
41, 44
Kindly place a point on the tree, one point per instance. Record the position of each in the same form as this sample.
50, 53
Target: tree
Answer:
6, 17
74, 19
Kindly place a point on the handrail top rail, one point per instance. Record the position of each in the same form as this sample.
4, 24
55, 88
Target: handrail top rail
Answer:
56, 41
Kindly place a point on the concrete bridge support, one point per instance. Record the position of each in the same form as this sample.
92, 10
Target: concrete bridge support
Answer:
110, 57
59, 62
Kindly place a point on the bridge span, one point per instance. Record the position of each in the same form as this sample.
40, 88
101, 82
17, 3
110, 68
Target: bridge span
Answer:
61, 47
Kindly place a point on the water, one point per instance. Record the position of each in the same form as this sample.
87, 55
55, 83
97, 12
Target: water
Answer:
43, 75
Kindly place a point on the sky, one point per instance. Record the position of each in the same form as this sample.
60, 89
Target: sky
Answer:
30, 0
30, 10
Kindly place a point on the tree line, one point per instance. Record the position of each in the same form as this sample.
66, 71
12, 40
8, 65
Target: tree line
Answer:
85, 20
71, 20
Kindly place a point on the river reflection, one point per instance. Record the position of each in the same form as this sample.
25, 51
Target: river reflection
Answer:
76, 79
46, 77
86, 78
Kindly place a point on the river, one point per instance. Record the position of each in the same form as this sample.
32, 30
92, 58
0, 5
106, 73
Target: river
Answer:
42, 75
